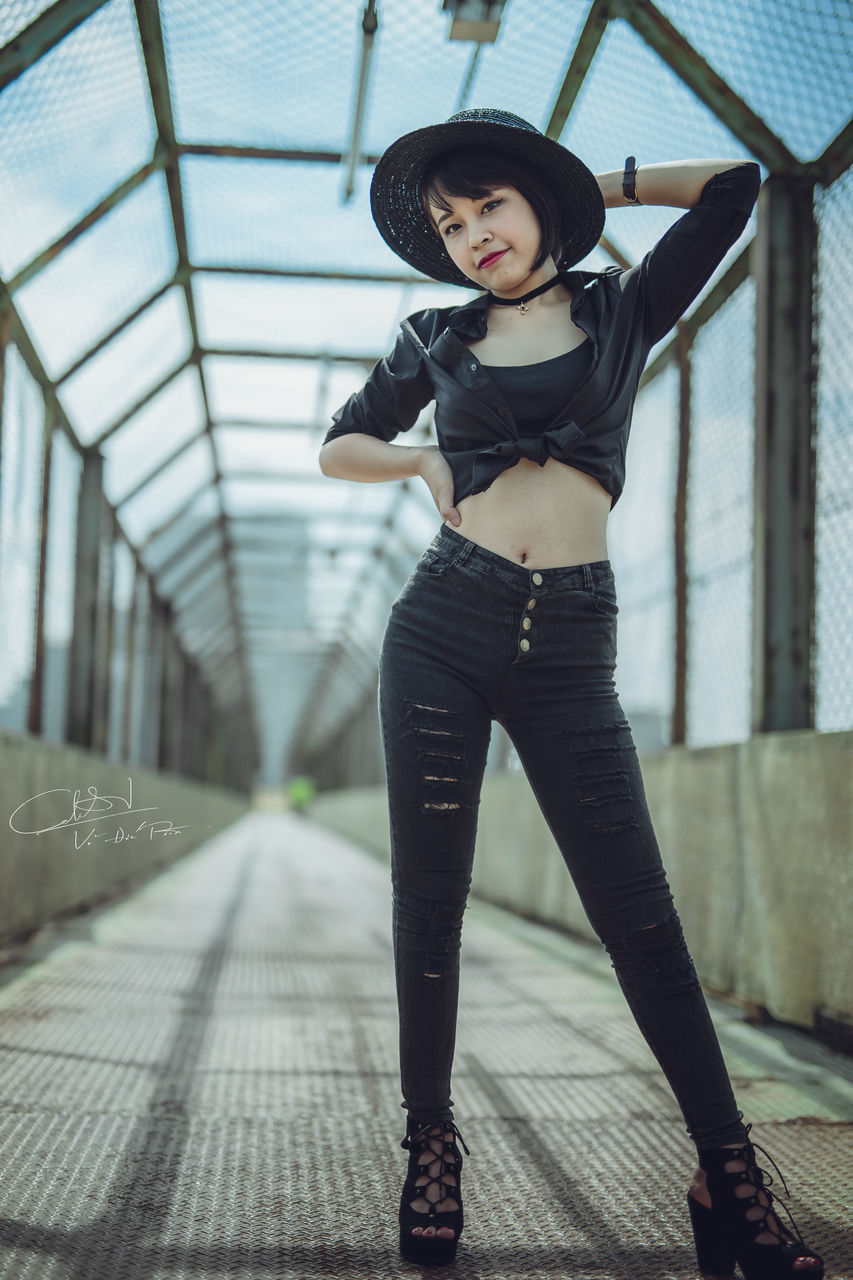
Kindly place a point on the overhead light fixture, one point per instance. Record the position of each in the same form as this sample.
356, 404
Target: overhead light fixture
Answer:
478, 20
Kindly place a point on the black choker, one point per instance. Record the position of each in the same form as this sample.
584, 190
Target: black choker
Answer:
521, 302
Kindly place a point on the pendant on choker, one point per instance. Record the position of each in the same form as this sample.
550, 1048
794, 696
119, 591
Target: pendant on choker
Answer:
521, 303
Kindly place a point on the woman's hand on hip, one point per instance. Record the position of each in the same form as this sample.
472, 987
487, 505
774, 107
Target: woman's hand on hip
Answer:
435, 470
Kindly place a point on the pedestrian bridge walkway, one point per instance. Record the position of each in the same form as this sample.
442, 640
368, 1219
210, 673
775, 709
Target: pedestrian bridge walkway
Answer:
200, 1080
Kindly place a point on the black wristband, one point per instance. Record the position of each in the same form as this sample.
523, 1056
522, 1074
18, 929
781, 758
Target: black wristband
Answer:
629, 175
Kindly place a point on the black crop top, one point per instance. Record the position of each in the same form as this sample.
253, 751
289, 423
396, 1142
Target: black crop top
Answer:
537, 392
623, 313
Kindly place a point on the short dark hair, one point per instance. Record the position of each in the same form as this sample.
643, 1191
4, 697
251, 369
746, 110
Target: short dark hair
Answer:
473, 172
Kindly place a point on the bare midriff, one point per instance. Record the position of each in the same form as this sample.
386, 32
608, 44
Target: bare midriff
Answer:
541, 517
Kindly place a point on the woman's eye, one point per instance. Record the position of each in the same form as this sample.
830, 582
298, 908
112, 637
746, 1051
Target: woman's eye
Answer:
451, 226
491, 204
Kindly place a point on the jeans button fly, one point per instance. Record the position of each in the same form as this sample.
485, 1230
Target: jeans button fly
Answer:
537, 579
531, 604
524, 646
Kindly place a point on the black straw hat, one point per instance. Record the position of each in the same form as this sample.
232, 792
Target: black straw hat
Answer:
395, 193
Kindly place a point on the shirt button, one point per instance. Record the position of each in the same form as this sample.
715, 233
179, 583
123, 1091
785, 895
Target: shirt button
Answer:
526, 624
537, 579
524, 646
531, 604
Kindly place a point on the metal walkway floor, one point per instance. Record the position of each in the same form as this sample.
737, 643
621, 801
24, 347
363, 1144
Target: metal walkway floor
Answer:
201, 1080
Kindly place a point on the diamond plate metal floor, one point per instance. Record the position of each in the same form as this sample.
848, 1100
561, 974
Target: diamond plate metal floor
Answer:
201, 1080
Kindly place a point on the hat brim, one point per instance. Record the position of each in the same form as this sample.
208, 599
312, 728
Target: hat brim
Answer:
395, 198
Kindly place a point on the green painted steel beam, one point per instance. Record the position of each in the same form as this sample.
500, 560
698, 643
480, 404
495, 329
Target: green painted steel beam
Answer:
208, 611
197, 536
838, 156
784, 503
88, 220
268, 353
680, 56
298, 273
322, 686
41, 35
190, 574
267, 153
115, 331
191, 584
80, 726
154, 55
14, 330
585, 50
176, 515
162, 466
142, 401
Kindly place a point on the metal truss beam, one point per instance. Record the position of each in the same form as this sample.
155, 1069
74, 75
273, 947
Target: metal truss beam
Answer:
116, 330
40, 36
154, 54
680, 56
88, 220
193, 573
786, 346
179, 553
142, 402
300, 273
176, 515
305, 731
585, 50
267, 153
837, 158
201, 580
202, 613
269, 353
162, 466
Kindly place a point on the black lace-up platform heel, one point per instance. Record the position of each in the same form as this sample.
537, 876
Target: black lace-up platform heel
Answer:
435, 1163
725, 1235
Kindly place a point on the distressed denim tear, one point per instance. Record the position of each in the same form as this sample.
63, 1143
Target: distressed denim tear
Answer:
602, 782
440, 750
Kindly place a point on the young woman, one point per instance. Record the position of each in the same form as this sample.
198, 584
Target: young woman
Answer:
510, 614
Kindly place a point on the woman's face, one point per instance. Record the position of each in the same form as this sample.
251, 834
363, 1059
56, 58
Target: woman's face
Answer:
494, 240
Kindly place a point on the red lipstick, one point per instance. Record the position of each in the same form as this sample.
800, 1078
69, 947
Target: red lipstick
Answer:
490, 259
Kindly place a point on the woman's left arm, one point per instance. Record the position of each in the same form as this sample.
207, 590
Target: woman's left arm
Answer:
677, 183
719, 196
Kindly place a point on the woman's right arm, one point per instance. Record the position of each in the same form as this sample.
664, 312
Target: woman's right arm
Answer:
358, 445
357, 456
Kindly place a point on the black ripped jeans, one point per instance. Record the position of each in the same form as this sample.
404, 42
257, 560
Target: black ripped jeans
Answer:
474, 637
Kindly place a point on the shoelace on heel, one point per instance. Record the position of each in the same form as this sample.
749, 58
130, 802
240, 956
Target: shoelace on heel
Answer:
448, 1126
428, 1249
770, 1219
766, 1260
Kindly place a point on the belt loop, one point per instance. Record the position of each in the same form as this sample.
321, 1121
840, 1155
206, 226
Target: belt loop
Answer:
465, 552
587, 578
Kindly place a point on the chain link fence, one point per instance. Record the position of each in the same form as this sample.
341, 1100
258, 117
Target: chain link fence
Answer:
834, 523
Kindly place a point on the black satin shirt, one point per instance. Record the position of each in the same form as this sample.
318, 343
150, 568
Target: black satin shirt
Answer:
623, 313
